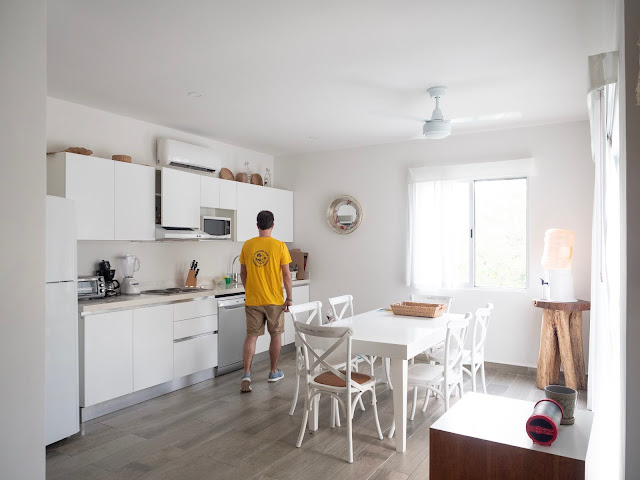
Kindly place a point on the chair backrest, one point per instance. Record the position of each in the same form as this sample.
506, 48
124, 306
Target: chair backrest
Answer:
480, 327
333, 339
454, 347
344, 301
433, 299
312, 309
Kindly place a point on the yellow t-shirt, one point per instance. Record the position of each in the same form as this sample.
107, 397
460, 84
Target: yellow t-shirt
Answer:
264, 257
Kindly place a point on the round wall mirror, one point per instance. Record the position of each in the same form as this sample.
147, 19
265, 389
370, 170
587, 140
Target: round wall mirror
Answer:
344, 214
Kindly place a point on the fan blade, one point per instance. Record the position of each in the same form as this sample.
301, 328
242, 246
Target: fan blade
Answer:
494, 117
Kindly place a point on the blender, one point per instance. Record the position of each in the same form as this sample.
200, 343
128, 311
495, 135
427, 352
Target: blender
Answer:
130, 265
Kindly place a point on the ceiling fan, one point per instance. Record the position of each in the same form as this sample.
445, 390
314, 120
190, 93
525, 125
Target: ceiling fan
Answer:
438, 127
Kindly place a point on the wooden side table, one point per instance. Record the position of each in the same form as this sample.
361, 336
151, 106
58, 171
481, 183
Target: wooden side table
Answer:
561, 341
483, 436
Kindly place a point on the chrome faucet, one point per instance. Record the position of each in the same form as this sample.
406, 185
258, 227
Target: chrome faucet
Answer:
235, 277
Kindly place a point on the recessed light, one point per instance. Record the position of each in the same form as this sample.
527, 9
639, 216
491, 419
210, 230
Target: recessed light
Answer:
195, 94
313, 138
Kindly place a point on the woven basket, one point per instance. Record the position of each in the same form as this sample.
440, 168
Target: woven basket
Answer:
226, 174
416, 309
121, 158
256, 179
79, 150
242, 177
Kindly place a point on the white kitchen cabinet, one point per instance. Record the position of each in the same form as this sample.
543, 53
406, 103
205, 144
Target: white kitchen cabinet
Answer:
107, 356
228, 194
300, 296
134, 215
281, 202
180, 198
209, 192
152, 346
90, 182
195, 354
254, 198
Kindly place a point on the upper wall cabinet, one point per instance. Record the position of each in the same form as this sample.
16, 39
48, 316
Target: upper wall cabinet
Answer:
180, 198
228, 194
209, 192
252, 199
90, 182
134, 216
114, 200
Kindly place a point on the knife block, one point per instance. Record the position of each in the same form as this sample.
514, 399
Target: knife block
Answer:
191, 280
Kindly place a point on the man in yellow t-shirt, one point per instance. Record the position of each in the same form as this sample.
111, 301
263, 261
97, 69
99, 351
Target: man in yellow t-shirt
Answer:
264, 267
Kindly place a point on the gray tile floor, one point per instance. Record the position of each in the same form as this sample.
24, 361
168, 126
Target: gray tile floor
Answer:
211, 431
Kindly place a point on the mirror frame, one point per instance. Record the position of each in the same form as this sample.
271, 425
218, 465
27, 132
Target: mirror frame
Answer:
332, 218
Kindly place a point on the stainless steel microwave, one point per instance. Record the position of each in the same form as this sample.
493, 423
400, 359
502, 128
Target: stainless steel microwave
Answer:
217, 227
91, 287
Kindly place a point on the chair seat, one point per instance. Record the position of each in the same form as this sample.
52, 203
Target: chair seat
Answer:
330, 379
438, 356
424, 373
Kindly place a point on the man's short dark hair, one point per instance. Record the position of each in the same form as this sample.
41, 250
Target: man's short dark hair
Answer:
265, 220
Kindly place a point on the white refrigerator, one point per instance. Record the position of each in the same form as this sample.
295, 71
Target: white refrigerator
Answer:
61, 368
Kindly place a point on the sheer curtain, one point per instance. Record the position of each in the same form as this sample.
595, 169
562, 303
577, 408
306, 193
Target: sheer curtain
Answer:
605, 388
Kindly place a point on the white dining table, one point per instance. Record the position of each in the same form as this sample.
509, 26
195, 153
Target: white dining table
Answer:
381, 333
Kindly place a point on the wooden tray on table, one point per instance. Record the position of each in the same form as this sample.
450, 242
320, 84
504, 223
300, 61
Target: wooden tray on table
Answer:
417, 309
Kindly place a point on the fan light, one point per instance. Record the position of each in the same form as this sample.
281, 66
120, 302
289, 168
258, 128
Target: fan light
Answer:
437, 127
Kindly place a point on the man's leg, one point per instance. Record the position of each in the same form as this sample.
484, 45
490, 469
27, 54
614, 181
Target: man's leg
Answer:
248, 351
274, 351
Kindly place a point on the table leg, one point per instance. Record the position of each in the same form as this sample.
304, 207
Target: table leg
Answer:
548, 358
575, 331
566, 350
399, 375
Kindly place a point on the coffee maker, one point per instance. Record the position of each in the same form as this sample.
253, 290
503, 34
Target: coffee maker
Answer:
111, 284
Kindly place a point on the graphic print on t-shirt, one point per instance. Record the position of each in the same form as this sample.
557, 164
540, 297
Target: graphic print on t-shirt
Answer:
260, 258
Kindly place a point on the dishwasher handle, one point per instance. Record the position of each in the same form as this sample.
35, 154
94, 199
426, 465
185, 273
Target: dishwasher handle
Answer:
232, 307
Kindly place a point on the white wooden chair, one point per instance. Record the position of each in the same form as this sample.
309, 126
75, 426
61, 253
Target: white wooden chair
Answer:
339, 307
424, 299
474, 357
313, 311
332, 381
441, 380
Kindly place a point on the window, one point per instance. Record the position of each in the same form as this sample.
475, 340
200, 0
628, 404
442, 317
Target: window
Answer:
469, 233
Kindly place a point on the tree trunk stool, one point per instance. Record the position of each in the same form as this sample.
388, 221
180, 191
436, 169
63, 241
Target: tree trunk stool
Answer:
561, 341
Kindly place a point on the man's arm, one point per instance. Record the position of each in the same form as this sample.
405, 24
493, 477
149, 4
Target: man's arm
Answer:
286, 278
243, 274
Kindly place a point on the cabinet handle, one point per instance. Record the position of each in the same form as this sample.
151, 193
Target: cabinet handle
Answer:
194, 336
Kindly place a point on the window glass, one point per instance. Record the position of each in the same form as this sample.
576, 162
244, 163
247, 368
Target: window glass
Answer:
500, 243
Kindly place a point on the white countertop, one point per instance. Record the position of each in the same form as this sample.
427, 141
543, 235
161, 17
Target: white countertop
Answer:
142, 300
502, 420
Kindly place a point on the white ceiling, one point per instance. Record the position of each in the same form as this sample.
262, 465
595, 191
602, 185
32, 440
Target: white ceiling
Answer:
298, 76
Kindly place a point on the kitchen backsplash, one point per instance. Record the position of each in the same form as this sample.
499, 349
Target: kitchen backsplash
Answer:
162, 264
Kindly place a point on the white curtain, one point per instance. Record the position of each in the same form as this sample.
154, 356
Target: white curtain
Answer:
434, 221
606, 452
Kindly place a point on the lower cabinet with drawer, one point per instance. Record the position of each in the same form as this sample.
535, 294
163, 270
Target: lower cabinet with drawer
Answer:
193, 354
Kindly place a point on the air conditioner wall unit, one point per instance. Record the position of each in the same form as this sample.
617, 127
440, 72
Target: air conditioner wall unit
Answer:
179, 154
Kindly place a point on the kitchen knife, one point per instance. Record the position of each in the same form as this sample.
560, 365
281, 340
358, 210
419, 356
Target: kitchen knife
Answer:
197, 271
192, 265
195, 265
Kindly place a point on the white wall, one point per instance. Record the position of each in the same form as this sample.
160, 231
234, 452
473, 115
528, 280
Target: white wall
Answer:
162, 263
73, 125
23, 89
370, 263
630, 126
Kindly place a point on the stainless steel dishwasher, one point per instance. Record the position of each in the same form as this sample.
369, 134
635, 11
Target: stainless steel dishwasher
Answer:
232, 328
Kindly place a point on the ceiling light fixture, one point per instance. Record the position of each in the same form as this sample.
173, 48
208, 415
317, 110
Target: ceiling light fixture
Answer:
195, 94
437, 127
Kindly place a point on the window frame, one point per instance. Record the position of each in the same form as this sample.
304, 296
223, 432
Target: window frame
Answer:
471, 281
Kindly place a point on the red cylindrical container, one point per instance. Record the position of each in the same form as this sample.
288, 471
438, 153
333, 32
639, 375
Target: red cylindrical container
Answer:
542, 425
